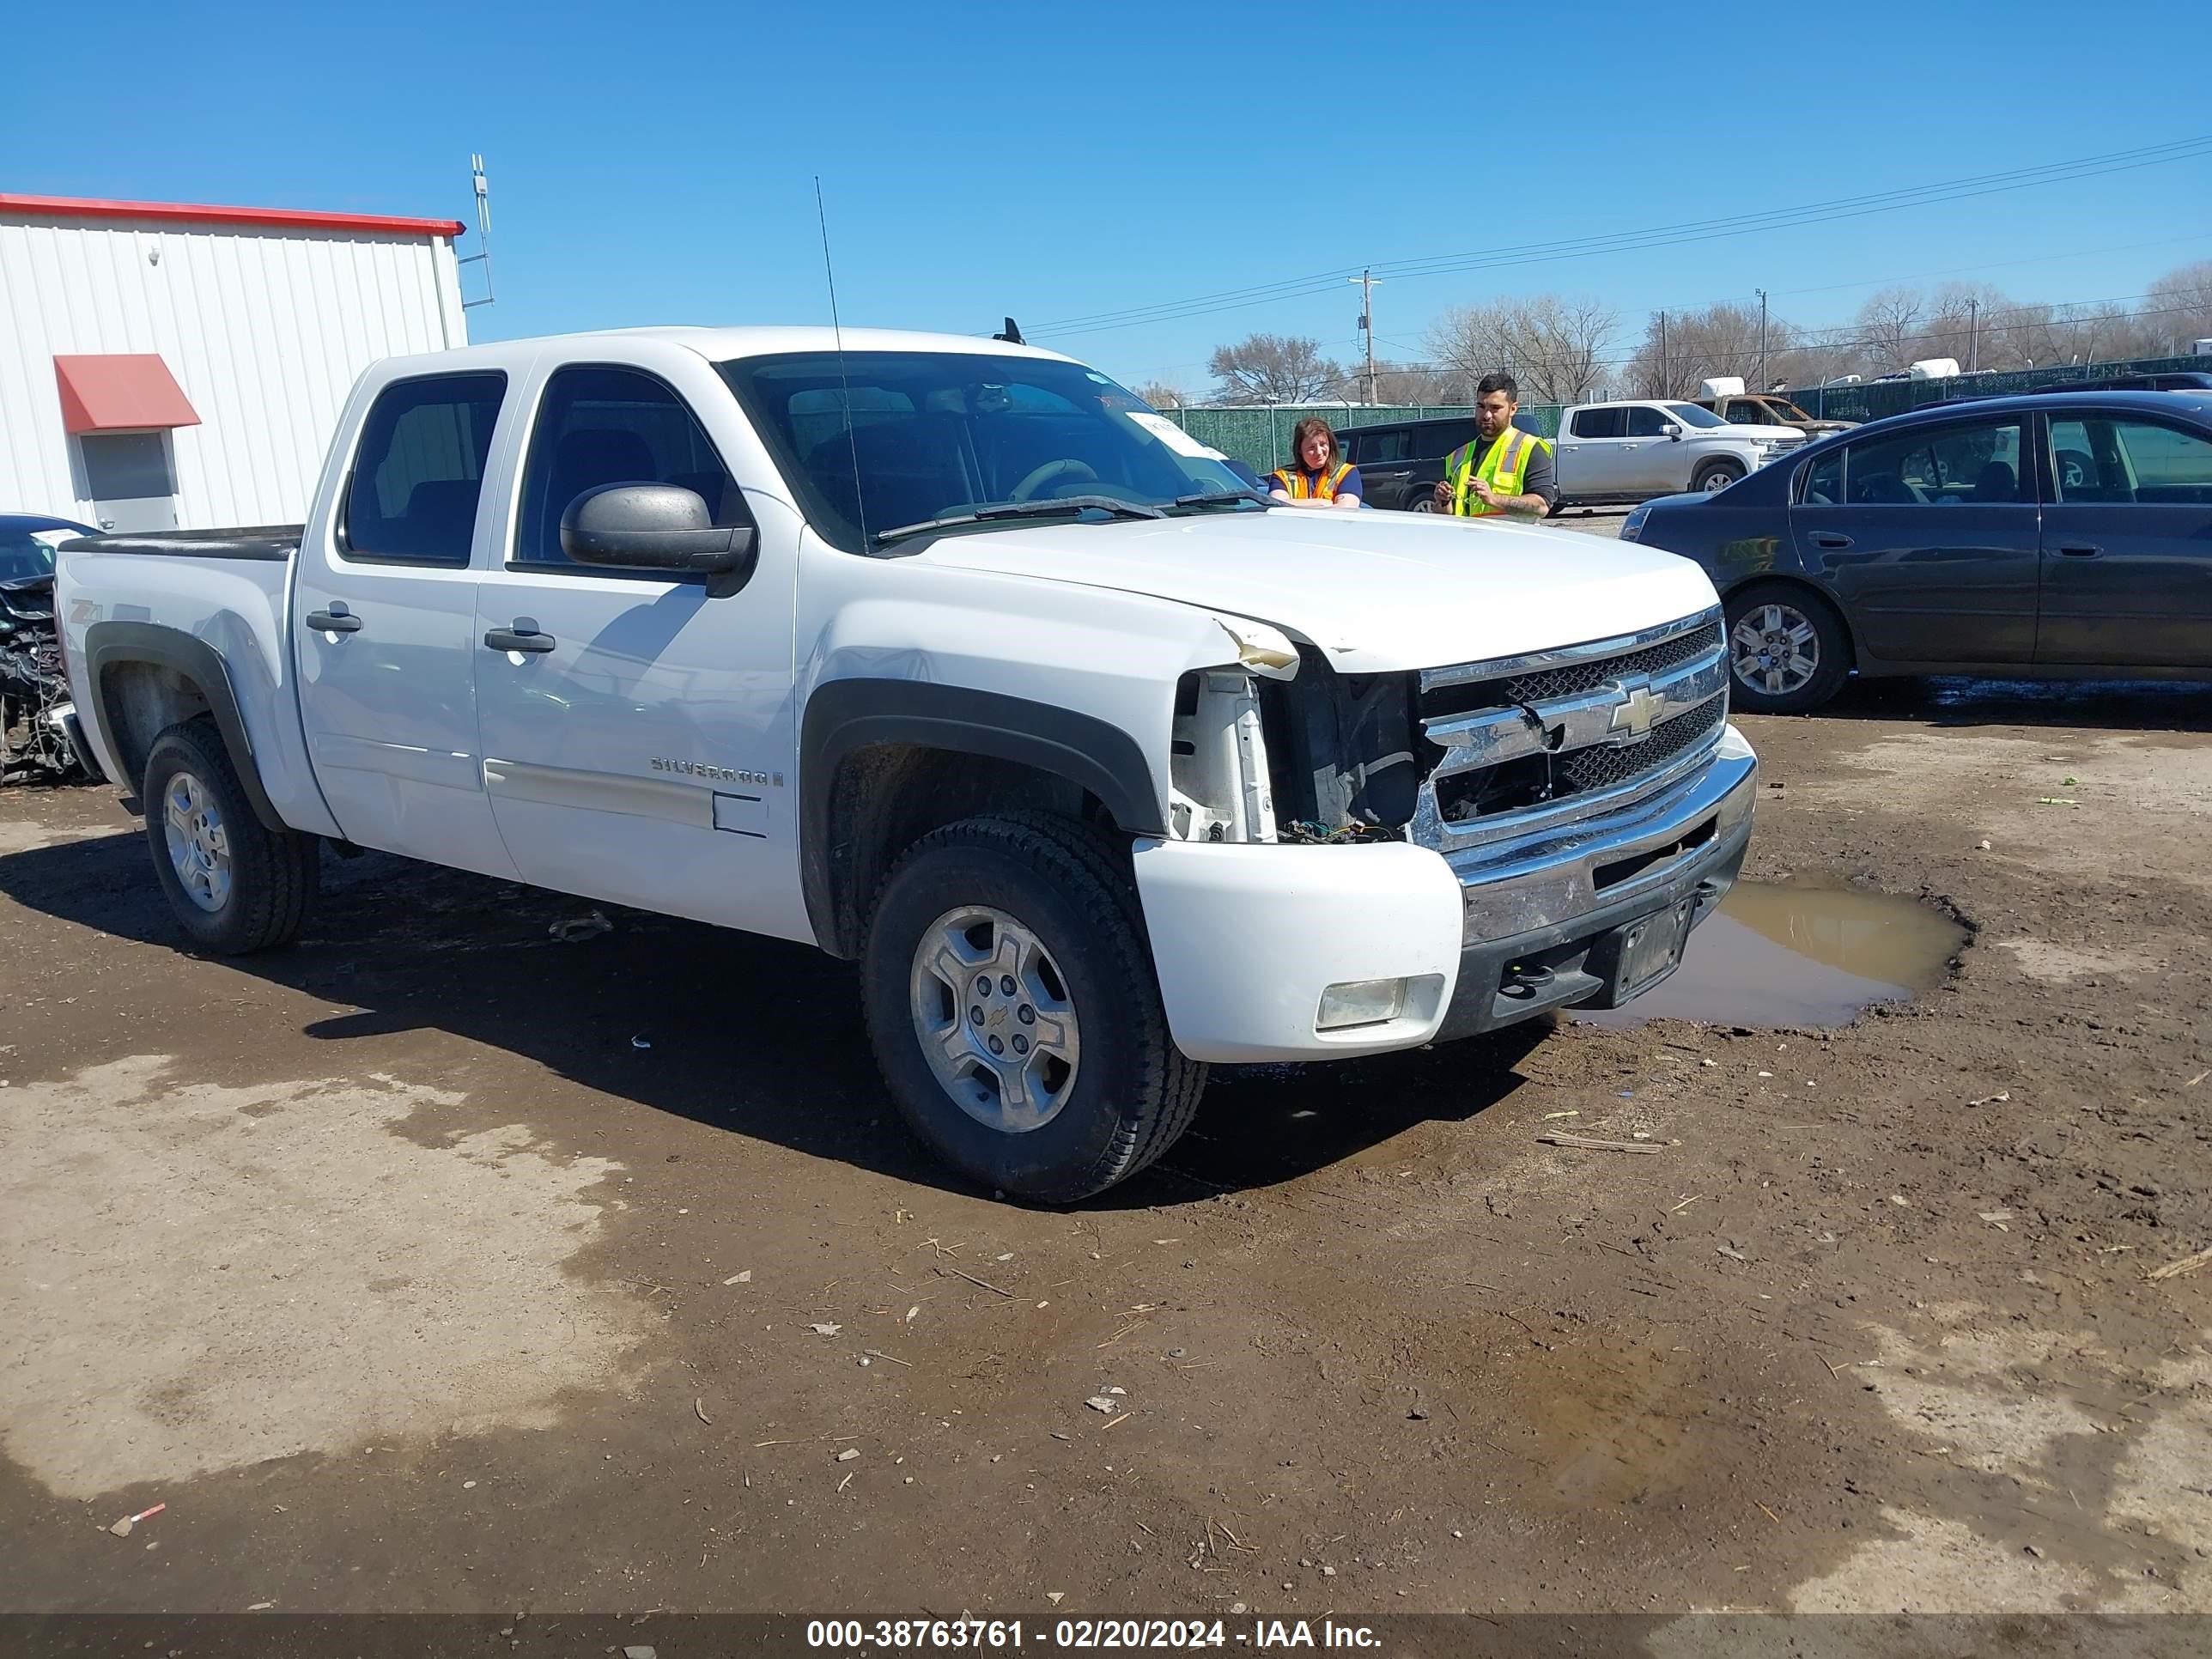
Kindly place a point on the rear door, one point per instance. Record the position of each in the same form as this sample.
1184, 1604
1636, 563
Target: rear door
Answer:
1594, 451
385, 615
638, 747
2127, 543
1934, 544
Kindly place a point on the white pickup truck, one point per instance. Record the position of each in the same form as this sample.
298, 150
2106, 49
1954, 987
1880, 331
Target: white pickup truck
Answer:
1632, 452
951, 657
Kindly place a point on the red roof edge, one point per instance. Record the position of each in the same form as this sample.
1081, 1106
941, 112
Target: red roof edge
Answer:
85, 207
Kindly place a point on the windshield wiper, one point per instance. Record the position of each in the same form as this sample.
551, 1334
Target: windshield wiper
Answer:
1219, 498
1063, 504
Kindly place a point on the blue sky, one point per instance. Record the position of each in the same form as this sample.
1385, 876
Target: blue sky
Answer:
654, 162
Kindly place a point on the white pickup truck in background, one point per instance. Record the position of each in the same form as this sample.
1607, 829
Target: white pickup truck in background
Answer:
953, 658
1632, 452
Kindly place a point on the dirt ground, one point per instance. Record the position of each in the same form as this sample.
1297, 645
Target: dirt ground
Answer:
438, 1265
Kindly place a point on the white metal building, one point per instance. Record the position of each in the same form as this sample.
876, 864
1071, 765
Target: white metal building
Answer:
169, 367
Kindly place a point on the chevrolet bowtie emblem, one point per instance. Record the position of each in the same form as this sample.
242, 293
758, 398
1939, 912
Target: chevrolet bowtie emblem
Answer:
1632, 715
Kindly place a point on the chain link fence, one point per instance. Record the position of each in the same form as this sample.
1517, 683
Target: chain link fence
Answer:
1261, 438
1871, 400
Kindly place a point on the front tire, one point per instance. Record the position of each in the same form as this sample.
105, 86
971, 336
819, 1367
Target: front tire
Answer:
236, 885
1788, 652
1014, 1012
1716, 476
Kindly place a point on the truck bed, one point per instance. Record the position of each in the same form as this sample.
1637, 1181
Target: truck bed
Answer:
210, 602
274, 543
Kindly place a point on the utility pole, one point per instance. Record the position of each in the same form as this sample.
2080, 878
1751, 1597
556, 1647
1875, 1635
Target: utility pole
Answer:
1973, 337
1368, 284
1666, 386
1762, 339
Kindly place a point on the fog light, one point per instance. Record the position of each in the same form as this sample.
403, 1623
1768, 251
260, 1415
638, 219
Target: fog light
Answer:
1360, 1002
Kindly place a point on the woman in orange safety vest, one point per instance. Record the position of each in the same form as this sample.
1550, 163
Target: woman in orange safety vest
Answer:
1320, 477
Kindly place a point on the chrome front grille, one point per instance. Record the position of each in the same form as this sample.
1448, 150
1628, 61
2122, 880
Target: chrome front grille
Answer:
1523, 742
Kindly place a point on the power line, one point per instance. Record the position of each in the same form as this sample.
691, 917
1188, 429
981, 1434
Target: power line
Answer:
1657, 236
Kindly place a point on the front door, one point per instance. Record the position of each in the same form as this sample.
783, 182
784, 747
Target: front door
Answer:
386, 621
638, 729
2127, 545
1650, 461
1932, 545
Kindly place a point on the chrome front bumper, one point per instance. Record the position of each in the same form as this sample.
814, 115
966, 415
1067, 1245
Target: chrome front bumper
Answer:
1543, 915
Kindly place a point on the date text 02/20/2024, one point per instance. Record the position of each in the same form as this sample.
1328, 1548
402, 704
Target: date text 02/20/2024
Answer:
860, 1636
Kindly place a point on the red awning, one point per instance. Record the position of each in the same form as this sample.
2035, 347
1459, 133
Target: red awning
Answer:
118, 391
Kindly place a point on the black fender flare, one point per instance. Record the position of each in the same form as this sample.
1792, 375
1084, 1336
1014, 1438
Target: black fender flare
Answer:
843, 716
110, 645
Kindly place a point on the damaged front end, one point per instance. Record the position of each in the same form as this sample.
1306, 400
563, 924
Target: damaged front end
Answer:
1282, 747
36, 719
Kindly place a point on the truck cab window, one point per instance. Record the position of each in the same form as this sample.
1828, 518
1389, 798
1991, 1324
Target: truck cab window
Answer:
1602, 422
602, 425
420, 469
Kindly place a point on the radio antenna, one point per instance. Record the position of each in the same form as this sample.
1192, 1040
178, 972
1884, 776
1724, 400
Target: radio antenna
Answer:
844, 381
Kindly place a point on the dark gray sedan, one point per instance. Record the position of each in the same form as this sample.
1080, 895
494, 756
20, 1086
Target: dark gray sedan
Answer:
2063, 536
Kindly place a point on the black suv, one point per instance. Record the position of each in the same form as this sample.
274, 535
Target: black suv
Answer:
1402, 462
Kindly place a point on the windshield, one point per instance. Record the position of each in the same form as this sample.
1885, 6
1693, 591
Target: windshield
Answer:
895, 439
25, 553
1786, 411
1691, 415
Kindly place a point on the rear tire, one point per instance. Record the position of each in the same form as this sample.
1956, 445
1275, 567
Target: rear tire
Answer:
236, 885
1787, 649
1716, 476
1047, 906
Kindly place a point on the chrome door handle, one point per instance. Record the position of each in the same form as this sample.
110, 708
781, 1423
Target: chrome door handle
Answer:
336, 620
523, 636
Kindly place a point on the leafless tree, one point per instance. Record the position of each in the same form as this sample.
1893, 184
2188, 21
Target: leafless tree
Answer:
1406, 383
1273, 368
1554, 347
1890, 325
1704, 345
1162, 395
2179, 308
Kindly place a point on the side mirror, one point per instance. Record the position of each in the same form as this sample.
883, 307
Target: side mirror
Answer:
1674, 432
658, 527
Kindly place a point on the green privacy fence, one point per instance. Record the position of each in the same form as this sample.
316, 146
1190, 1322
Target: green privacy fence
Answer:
1261, 438
1872, 399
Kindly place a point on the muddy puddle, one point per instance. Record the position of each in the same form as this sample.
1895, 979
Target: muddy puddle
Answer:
1798, 953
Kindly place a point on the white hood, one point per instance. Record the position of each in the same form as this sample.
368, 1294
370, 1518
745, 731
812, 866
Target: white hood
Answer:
1377, 591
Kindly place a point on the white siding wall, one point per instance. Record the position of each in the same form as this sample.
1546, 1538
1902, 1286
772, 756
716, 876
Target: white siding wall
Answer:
265, 329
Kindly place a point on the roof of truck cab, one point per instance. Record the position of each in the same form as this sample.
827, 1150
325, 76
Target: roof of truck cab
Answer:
718, 344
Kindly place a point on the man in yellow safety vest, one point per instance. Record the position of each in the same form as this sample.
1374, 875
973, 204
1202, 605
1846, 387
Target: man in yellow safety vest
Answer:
1505, 470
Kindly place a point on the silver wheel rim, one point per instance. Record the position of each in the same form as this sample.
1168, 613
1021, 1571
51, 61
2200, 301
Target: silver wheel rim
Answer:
199, 845
1775, 648
1718, 480
992, 1015
1424, 503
